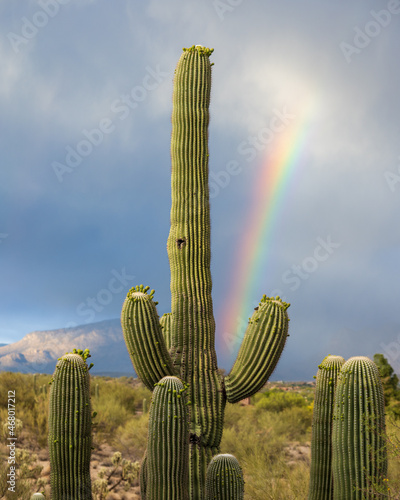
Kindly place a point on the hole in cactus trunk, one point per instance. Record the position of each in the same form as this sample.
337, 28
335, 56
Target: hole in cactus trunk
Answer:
194, 439
181, 243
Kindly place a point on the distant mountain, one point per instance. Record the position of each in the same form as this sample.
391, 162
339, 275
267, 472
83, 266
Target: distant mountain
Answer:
38, 352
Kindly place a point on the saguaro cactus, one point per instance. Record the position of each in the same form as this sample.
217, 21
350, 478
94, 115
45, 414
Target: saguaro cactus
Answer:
321, 478
70, 421
359, 455
224, 479
168, 443
188, 349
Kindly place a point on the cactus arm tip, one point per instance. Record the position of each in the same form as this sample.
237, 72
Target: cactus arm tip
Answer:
261, 349
143, 336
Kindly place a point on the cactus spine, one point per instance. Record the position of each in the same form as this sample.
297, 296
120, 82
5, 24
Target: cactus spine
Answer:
187, 348
70, 437
168, 443
321, 479
224, 479
359, 455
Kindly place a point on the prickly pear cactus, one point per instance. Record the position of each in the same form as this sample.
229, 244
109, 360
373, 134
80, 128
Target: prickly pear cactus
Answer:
183, 345
70, 428
359, 455
321, 478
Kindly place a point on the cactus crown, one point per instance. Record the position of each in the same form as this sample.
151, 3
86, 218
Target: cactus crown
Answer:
200, 49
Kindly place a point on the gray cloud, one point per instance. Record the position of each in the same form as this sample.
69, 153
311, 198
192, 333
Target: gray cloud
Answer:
111, 211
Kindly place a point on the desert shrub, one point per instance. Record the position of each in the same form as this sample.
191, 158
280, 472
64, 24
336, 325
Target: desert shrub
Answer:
30, 408
279, 400
17, 382
132, 437
260, 440
117, 404
27, 476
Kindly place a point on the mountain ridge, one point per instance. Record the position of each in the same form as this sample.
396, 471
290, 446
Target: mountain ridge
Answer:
104, 339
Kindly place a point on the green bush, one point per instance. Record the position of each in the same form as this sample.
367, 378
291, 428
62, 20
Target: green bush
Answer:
261, 441
278, 401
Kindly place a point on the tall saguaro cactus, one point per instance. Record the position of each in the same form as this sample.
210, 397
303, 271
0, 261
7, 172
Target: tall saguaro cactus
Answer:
188, 348
70, 426
359, 455
321, 478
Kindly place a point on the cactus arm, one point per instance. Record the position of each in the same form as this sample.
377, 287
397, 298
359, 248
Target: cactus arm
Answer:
143, 337
166, 325
321, 481
261, 348
167, 474
224, 479
359, 454
70, 437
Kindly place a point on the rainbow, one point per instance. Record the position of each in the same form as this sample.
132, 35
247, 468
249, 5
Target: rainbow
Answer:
270, 189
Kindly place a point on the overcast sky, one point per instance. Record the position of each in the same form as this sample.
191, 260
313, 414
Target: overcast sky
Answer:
85, 105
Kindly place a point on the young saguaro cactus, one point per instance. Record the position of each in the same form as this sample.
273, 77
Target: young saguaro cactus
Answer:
168, 443
224, 479
359, 455
70, 428
189, 349
321, 478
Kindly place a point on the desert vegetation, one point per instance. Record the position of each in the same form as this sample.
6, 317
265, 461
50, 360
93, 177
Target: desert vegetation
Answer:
272, 442
270, 437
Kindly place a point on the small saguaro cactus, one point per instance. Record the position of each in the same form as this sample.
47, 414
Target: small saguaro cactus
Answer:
224, 479
168, 443
183, 345
35, 384
70, 424
321, 479
359, 455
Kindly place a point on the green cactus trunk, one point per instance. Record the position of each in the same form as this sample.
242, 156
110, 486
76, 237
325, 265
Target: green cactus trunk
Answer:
359, 455
186, 347
168, 443
224, 479
70, 437
321, 477
189, 250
